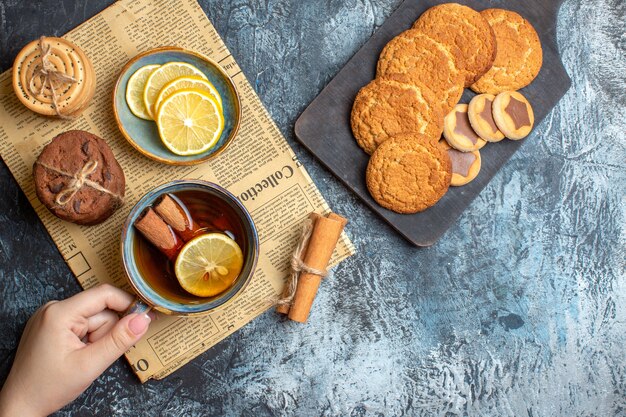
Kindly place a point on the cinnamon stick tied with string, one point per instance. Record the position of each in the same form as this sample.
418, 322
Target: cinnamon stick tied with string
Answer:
310, 265
289, 291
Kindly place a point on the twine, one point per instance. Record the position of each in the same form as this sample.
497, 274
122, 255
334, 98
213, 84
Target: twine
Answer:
298, 265
48, 75
78, 180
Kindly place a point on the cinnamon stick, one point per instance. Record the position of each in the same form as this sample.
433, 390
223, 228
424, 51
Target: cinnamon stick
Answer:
159, 233
322, 243
284, 308
175, 213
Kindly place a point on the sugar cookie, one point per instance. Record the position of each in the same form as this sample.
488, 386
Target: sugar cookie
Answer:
468, 30
408, 173
385, 108
414, 58
519, 55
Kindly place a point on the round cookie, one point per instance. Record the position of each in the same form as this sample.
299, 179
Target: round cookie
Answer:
414, 58
468, 30
408, 173
38, 93
78, 179
458, 131
385, 108
465, 165
513, 115
519, 56
481, 118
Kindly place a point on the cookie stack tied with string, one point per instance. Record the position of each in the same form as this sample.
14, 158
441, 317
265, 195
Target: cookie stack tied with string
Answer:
76, 175
399, 117
53, 77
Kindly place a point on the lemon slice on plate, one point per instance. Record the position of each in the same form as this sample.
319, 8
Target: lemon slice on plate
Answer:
208, 264
190, 122
163, 75
181, 83
134, 91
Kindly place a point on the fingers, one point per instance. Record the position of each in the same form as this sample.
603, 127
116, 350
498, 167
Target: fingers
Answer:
100, 324
94, 300
98, 356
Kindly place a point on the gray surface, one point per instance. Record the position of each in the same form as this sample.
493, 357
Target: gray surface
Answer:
517, 311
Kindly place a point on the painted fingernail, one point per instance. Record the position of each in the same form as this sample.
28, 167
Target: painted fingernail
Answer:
139, 324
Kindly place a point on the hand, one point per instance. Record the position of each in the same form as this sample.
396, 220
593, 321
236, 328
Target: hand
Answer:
66, 345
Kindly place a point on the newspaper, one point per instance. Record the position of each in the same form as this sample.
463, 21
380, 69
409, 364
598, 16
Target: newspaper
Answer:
258, 155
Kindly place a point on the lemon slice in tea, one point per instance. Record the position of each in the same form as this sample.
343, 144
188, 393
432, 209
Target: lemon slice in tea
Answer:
190, 122
194, 82
134, 91
163, 75
208, 264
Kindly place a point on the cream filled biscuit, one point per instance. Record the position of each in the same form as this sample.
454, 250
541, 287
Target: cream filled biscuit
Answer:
458, 131
465, 165
513, 115
480, 116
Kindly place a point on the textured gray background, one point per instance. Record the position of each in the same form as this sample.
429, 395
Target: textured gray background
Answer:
517, 311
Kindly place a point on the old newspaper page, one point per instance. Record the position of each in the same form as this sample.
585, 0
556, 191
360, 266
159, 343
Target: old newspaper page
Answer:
259, 167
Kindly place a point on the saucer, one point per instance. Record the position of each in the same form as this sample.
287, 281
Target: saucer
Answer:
143, 134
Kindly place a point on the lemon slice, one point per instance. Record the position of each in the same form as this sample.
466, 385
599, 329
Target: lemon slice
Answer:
190, 122
134, 91
163, 75
181, 83
208, 264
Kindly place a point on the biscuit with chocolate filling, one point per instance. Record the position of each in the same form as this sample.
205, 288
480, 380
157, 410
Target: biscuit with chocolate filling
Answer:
458, 131
465, 165
519, 56
513, 115
408, 173
78, 179
481, 118
385, 108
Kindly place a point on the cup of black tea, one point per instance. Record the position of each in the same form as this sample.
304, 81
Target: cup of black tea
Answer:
188, 248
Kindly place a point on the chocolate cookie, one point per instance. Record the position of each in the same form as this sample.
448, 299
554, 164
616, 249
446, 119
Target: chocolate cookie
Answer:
78, 179
465, 165
385, 108
408, 173
465, 28
458, 131
481, 118
519, 55
513, 115
414, 58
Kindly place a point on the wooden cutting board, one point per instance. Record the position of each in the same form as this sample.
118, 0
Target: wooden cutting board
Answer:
324, 127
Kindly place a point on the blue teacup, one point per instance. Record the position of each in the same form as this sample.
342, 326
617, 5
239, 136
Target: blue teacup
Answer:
151, 297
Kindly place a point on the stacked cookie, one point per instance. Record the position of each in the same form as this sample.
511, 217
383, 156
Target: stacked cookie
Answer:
78, 178
399, 117
54, 77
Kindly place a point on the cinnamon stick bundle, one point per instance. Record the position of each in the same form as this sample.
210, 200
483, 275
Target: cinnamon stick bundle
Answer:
324, 237
288, 290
